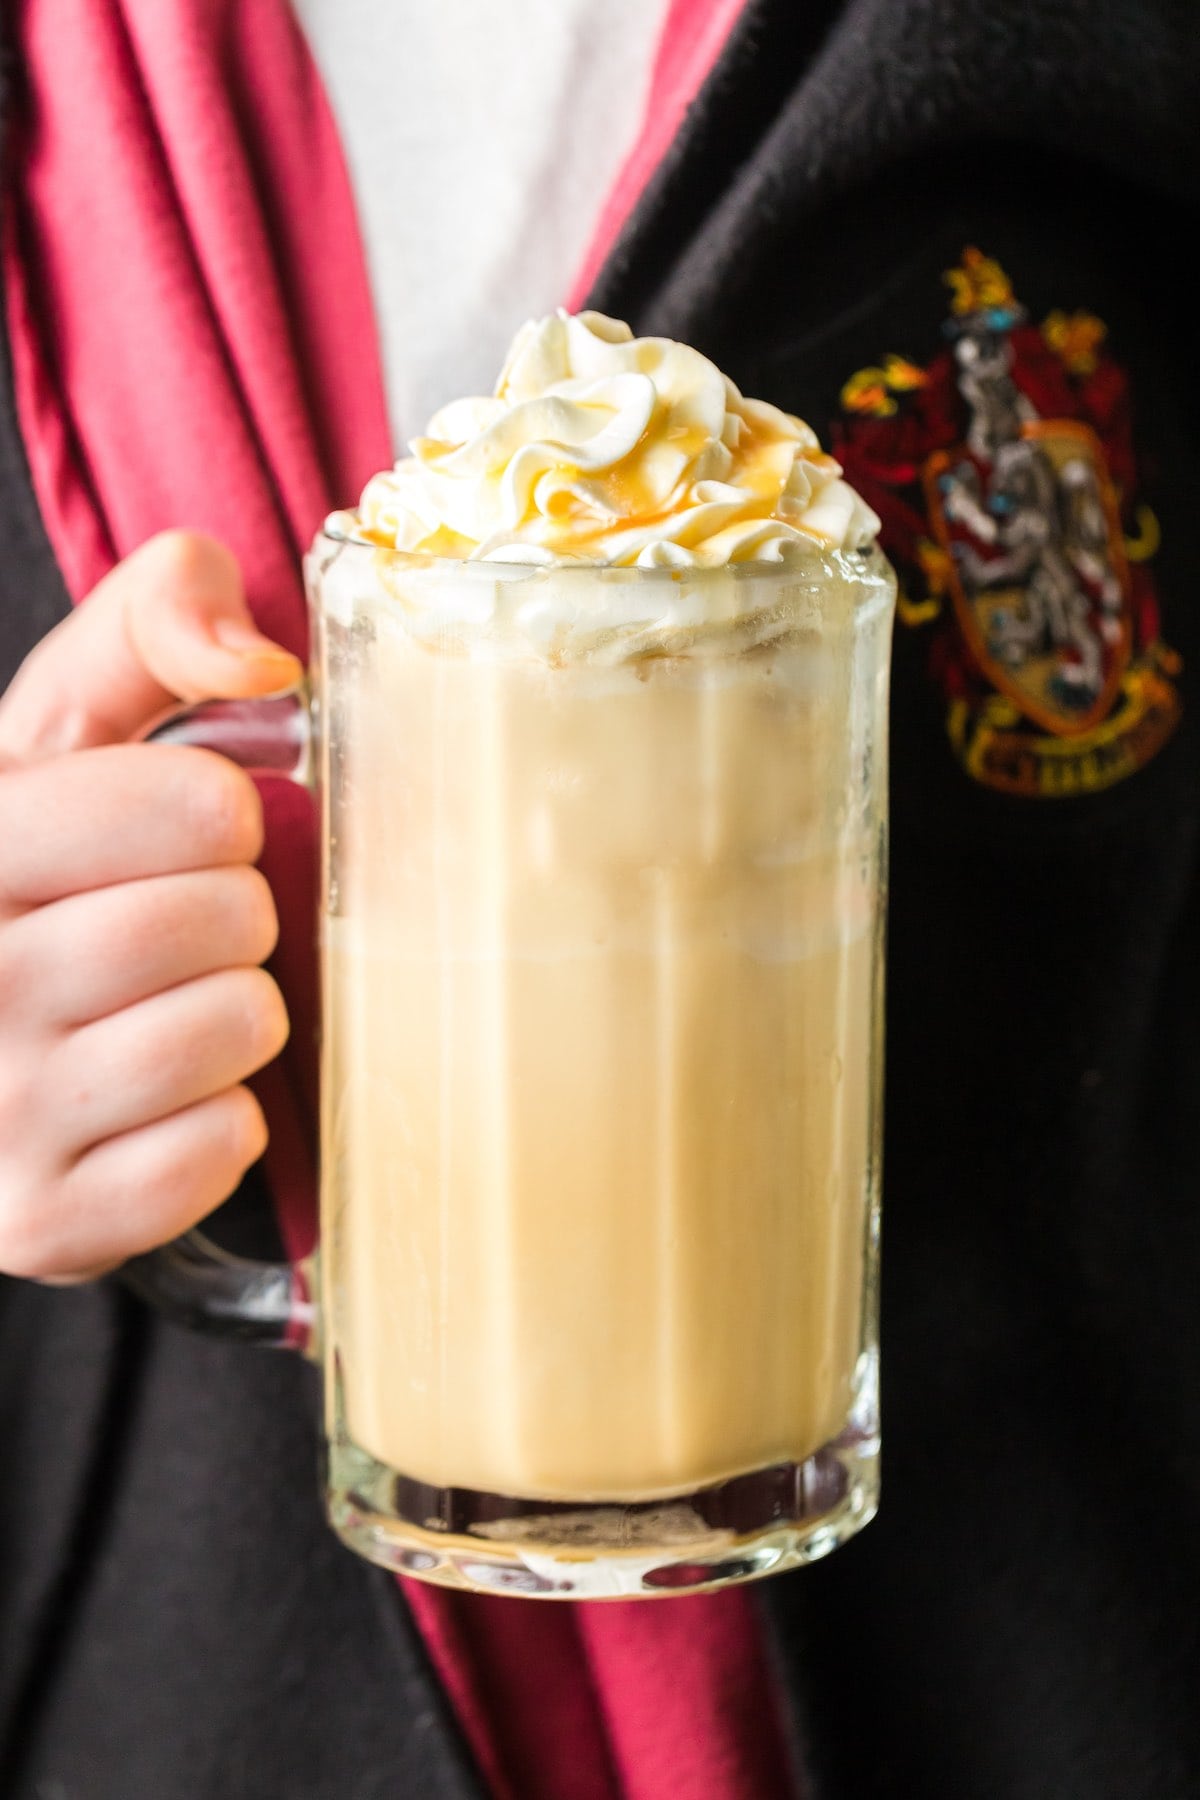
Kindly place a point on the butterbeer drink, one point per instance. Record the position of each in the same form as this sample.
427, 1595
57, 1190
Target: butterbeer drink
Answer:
606, 675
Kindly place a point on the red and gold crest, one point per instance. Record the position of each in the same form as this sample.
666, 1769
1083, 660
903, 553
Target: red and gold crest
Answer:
1003, 471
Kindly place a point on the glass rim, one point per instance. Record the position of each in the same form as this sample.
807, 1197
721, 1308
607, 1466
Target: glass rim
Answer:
868, 564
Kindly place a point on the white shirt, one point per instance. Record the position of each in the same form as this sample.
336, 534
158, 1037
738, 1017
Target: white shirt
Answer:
482, 138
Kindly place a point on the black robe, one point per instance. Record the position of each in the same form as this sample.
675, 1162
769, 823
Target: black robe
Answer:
1023, 1619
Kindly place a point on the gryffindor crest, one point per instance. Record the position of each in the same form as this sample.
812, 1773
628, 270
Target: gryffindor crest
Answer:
1004, 473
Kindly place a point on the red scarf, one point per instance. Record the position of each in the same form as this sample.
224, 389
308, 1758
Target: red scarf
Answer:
193, 345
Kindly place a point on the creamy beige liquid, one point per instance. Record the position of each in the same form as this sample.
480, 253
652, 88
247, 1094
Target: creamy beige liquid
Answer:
599, 969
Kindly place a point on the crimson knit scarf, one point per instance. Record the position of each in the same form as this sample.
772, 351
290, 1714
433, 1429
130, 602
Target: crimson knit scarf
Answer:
194, 345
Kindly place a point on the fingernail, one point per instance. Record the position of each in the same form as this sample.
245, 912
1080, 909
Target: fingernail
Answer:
243, 639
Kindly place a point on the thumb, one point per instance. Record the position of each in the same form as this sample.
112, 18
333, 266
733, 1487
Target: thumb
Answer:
169, 623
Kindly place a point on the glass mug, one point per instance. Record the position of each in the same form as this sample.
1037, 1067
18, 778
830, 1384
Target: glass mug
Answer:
601, 944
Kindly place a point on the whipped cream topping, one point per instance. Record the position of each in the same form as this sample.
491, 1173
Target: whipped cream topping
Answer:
599, 447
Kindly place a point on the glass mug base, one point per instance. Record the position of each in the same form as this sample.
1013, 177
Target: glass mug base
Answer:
759, 1523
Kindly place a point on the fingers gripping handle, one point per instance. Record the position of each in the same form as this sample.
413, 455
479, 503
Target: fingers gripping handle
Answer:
193, 1281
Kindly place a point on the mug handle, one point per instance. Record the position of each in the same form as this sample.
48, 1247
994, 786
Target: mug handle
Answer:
192, 1280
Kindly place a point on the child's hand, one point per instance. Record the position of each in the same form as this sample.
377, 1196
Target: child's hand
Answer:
131, 921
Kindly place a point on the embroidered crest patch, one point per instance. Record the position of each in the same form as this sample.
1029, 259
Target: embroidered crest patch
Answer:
1003, 471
